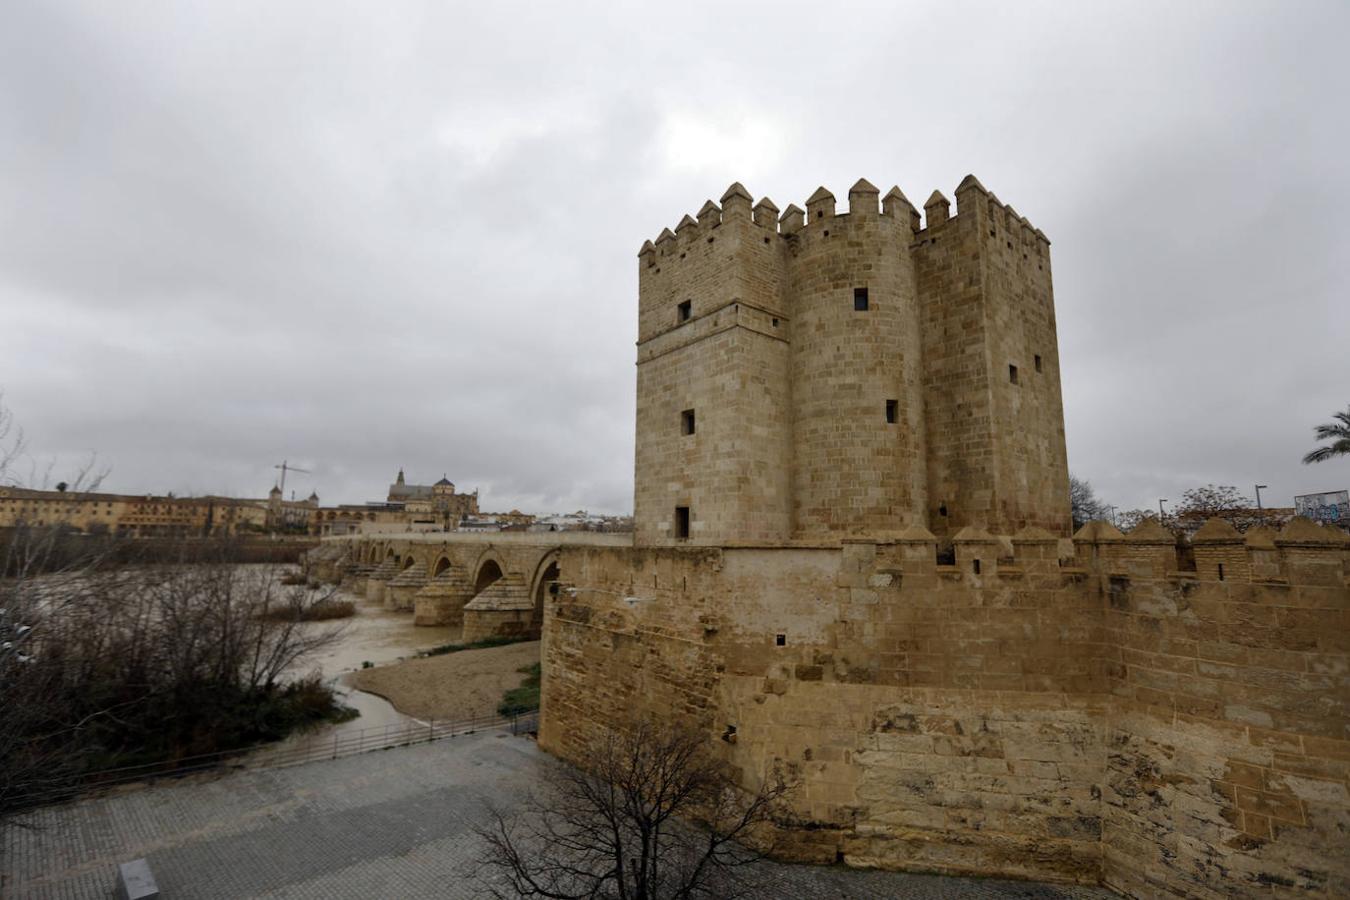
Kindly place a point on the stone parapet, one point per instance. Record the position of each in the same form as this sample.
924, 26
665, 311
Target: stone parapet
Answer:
1112, 716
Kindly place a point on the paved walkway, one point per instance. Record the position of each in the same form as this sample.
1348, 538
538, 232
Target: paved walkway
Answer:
391, 824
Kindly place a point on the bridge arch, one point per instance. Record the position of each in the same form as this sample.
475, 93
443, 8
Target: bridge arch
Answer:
441, 564
546, 571
408, 562
487, 571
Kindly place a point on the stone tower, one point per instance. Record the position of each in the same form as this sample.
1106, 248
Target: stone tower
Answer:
820, 374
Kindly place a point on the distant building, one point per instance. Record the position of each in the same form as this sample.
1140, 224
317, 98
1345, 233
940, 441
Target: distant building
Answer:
290, 515
431, 507
581, 520
133, 515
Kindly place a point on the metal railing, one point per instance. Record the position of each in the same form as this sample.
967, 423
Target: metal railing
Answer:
289, 752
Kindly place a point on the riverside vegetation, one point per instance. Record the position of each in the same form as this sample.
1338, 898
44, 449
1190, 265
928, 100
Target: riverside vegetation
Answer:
105, 666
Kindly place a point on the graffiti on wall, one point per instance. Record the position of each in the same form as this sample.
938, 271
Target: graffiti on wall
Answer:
1332, 507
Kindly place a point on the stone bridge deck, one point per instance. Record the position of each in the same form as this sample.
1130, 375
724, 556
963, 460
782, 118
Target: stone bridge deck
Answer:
490, 584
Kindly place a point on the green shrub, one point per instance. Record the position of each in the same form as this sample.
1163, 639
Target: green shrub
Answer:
525, 698
499, 640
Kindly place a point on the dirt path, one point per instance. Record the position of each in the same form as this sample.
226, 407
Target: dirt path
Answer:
456, 685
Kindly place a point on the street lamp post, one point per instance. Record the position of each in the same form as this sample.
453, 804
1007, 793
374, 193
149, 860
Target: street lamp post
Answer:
1260, 514
1161, 501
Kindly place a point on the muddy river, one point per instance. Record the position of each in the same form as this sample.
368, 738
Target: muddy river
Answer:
375, 636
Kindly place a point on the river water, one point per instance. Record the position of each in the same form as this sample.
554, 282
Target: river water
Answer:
376, 636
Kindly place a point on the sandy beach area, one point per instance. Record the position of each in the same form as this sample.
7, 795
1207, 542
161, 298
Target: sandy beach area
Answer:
453, 686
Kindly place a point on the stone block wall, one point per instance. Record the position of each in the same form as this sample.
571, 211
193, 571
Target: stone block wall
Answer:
849, 371
1106, 718
996, 451
853, 471
725, 359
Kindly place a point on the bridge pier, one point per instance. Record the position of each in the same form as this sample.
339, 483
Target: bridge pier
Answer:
376, 583
442, 601
402, 588
502, 609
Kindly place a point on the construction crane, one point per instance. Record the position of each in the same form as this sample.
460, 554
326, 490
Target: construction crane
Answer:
285, 467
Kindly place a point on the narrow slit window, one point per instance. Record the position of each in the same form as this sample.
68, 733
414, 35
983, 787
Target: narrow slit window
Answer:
890, 412
1038, 362
684, 311
1012, 374
860, 299
976, 565
682, 521
780, 640
687, 422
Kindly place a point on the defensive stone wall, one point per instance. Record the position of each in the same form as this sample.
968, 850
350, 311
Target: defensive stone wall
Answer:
1086, 712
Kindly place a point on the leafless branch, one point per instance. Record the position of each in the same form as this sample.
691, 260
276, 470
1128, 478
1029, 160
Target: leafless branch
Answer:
656, 815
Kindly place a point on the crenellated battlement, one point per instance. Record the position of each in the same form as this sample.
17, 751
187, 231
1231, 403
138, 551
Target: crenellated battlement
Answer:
1089, 709
937, 309
1303, 553
821, 209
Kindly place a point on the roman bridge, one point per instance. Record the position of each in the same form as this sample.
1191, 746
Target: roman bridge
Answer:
490, 584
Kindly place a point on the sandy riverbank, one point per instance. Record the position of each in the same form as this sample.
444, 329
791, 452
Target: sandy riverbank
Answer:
453, 686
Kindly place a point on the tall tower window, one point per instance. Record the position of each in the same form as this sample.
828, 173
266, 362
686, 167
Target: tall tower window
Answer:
1012, 374
860, 299
1038, 362
687, 422
684, 311
681, 521
890, 412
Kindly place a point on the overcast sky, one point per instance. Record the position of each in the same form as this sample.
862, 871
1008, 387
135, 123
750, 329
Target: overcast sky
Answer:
364, 236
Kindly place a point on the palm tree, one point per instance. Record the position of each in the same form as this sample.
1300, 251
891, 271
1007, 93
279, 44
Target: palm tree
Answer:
1338, 433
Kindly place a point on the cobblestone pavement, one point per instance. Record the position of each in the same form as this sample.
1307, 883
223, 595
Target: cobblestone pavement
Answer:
392, 824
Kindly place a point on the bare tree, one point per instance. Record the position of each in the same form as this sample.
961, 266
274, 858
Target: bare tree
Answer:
1213, 500
149, 664
37, 750
103, 665
1083, 503
1131, 519
655, 816
11, 443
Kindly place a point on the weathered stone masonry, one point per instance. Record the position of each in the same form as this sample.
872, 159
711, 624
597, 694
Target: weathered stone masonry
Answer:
1102, 718
832, 410
848, 372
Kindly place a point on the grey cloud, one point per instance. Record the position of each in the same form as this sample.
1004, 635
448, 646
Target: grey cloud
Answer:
370, 237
